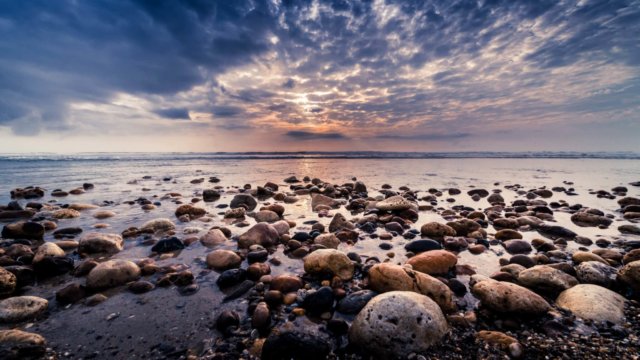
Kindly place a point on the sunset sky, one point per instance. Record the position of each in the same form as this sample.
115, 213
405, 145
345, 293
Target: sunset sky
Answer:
446, 75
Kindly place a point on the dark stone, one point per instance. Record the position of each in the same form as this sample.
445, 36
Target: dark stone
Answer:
168, 245
210, 195
53, 266
25, 276
301, 236
523, 260
231, 277
257, 256
243, 200
297, 340
457, 287
226, 319
70, 294
555, 231
478, 192
140, 287
67, 232
356, 301
319, 301
87, 186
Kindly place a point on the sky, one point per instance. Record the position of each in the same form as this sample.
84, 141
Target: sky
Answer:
200, 75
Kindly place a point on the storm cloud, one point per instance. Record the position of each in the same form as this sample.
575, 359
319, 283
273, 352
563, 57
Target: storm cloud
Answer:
289, 71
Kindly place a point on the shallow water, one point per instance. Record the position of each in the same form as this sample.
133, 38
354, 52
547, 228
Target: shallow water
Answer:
164, 317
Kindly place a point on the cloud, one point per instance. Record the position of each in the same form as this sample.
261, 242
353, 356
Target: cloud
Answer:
425, 137
174, 113
307, 135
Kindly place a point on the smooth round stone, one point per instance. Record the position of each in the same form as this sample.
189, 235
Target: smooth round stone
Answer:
395, 203
419, 246
354, 302
506, 297
112, 273
260, 234
103, 214
434, 262
22, 308
398, 323
158, 225
593, 302
436, 230
546, 279
18, 344
329, 262
223, 259
47, 249
95, 242
594, 272
319, 301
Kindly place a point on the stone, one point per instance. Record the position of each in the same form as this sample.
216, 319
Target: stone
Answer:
480, 192
329, 262
243, 200
282, 227
594, 303
504, 297
261, 234
629, 229
82, 207
419, 246
582, 256
18, 344
213, 238
286, 283
327, 240
495, 198
517, 246
339, 222
594, 272
300, 339
210, 195
8, 282
112, 273
355, 301
22, 308
23, 230
223, 260
586, 219
267, 216
190, 210
46, 250
387, 277
630, 274
168, 244
103, 214
319, 201
65, 214
626, 201
158, 225
70, 294
546, 279
319, 301
227, 319
507, 234
395, 203
433, 262
437, 230
555, 231
231, 277
397, 324
95, 242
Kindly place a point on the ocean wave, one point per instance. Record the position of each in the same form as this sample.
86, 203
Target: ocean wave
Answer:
316, 155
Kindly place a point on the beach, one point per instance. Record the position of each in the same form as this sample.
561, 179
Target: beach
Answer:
269, 256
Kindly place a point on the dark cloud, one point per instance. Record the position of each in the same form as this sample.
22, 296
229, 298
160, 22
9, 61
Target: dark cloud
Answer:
425, 137
174, 113
307, 135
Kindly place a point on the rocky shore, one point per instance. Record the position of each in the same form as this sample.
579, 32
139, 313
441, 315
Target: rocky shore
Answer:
278, 270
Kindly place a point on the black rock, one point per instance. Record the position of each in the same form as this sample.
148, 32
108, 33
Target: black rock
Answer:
297, 340
53, 266
231, 277
243, 200
257, 256
418, 246
523, 260
555, 231
319, 301
25, 275
70, 294
356, 301
210, 195
301, 236
87, 186
457, 287
226, 319
168, 245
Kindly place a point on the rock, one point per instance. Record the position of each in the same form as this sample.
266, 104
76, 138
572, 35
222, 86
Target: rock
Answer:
168, 244
65, 214
237, 213
555, 231
496, 338
506, 297
354, 302
386, 277
593, 302
329, 262
327, 240
628, 201
281, 226
22, 308
94, 300
213, 238
243, 200
231, 277
507, 234
192, 211
495, 198
140, 287
8, 282
419, 246
227, 319
397, 324
395, 203
210, 195
339, 222
319, 200
436, 230
112, 273
94, 242
158, 225
630, 274
586, 219
30, 192
223, 260
582, 256
319, 301
104, 214
594, 272
267, 216
70, 294
23, 230
629, 229
286, 283
297, 340
260, 234
47, 249
480, 192
82, 207
546, 279
18, 344
433, 262
517, 246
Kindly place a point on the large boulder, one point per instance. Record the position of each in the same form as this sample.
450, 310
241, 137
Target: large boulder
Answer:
260, 234
593, 302
95, 242
546, 279
506, 297
112, 273
397, 324
433, 262
22, 308
329, 262
387, 277
437, 230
